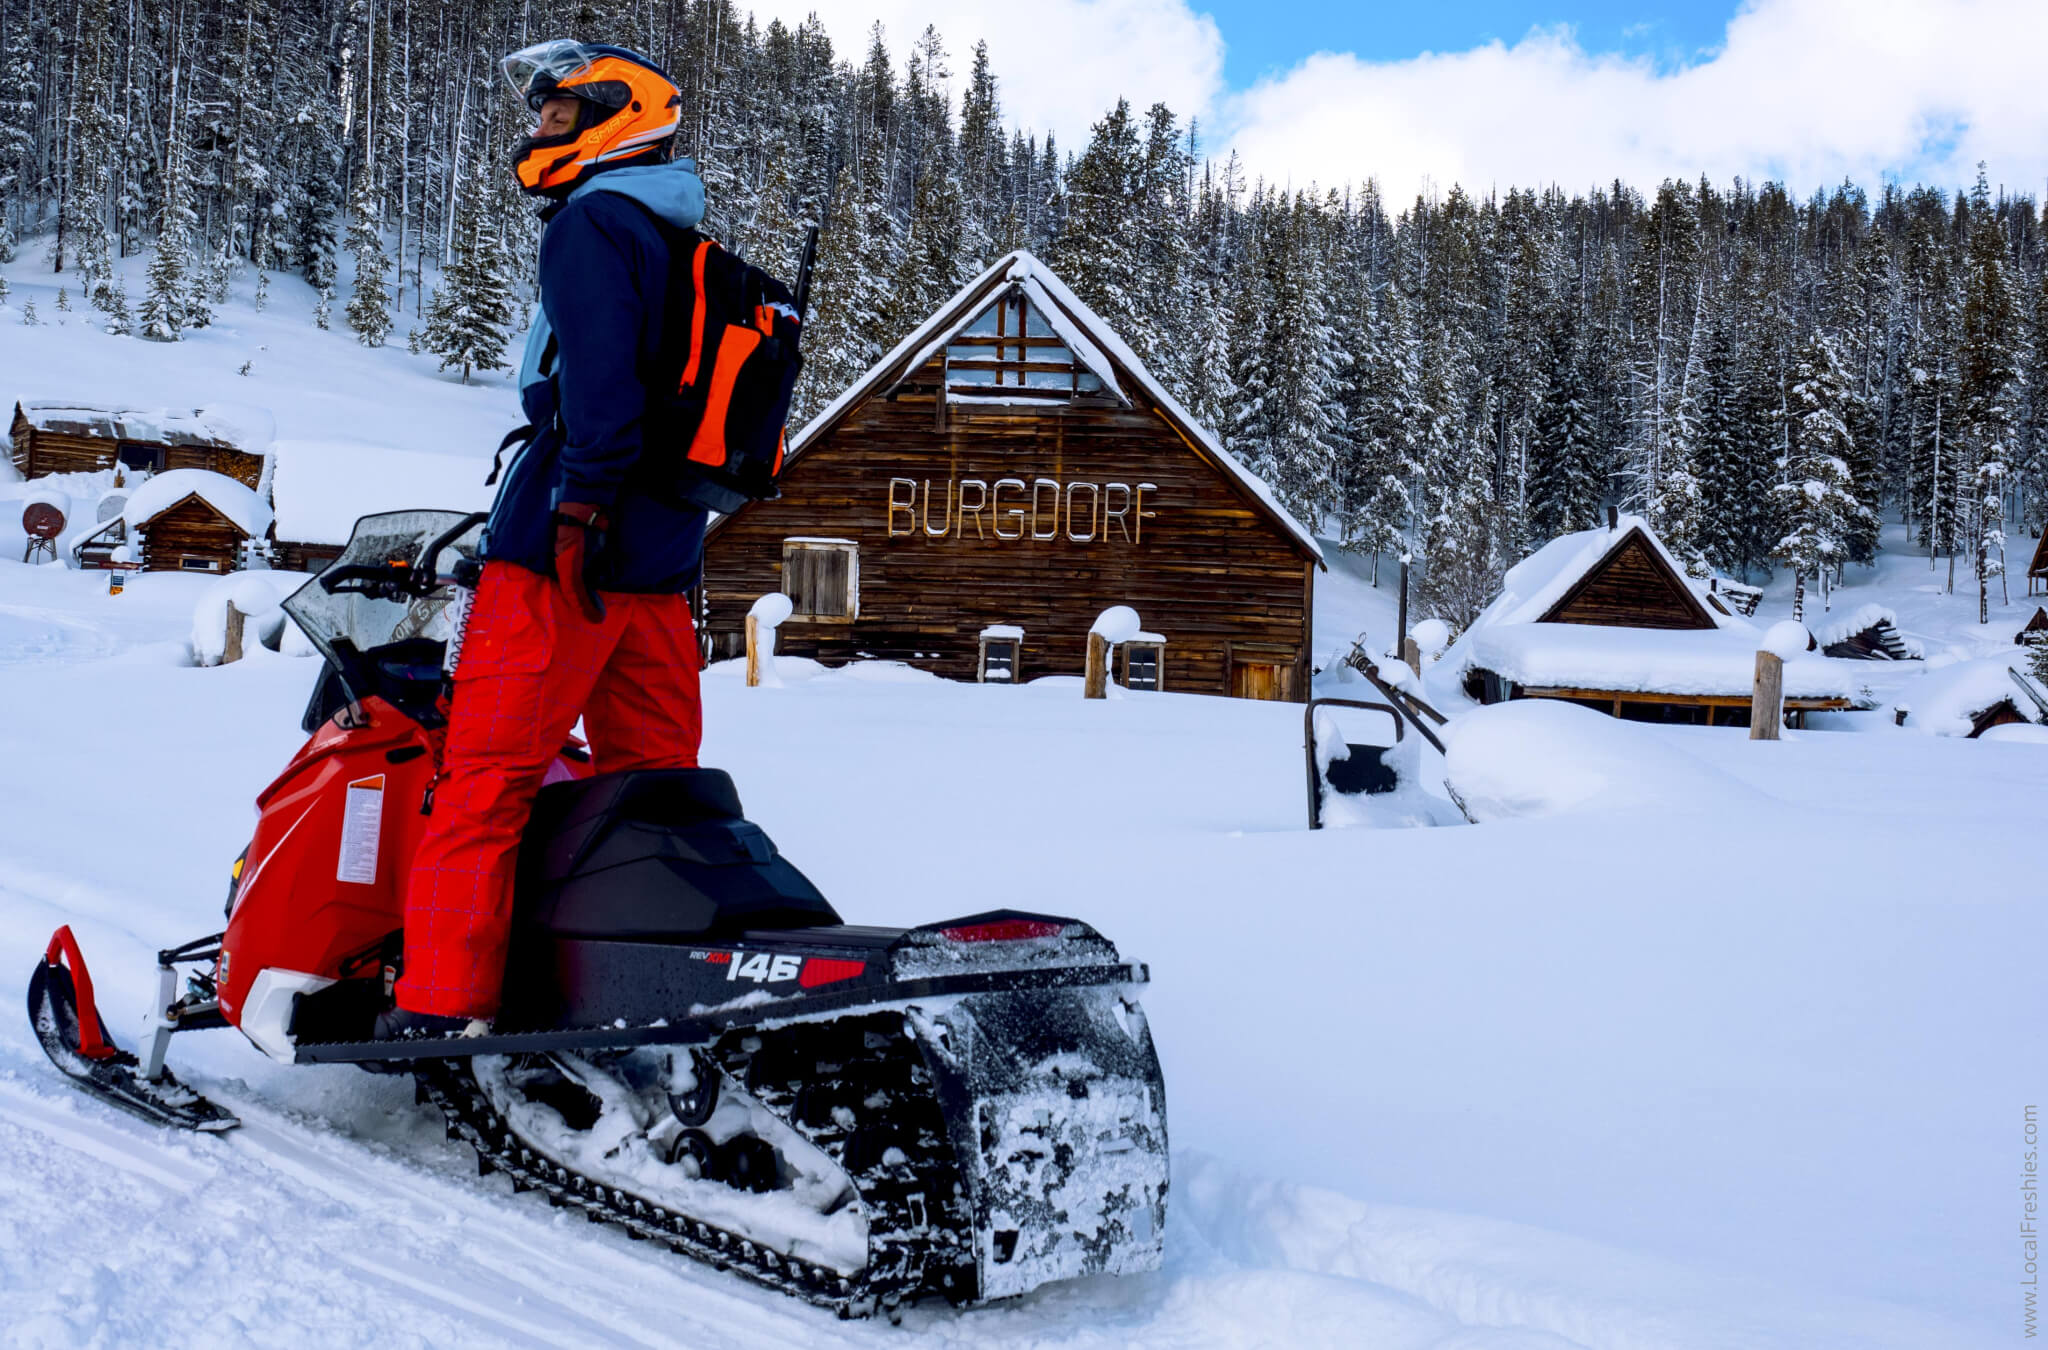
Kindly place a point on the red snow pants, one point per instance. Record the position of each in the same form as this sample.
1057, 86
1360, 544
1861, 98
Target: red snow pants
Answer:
530, 666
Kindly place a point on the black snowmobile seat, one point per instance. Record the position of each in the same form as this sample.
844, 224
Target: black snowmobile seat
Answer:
659, 853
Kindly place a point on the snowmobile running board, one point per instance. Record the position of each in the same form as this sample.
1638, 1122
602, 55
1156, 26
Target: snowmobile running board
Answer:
708, 1026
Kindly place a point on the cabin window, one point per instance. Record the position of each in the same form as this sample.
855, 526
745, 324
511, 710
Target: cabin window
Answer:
192, 562
1144, 665
821, 577
999, 662
138, 455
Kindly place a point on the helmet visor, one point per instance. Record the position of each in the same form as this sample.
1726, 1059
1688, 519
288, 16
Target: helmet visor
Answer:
536, 73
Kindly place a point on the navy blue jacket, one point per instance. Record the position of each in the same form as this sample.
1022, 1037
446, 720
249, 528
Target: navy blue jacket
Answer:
604, 286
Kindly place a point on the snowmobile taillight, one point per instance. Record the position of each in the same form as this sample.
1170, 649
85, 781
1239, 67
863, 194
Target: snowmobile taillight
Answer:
1003, 930
90, 1043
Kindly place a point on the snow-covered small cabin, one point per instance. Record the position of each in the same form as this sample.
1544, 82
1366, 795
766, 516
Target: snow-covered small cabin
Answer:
1013, 469
1969, 698
72, 438
2037, 624
2037, 570
1606, 618
186, 520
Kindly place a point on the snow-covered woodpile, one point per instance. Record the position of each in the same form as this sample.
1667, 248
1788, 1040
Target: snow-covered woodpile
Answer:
52, 437
1012, 464
1866, 633
1605, 618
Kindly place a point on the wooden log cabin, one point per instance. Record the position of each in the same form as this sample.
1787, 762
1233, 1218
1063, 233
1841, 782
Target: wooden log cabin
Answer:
979, 496
1605, 618
185, 520
67, 438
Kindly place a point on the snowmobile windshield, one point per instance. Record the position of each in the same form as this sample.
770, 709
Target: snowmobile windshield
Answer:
395, 540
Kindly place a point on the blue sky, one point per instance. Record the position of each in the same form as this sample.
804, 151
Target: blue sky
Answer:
1263, 37
1524, 92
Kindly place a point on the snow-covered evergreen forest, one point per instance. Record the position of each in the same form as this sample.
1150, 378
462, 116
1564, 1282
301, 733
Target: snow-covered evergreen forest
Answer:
1459, 377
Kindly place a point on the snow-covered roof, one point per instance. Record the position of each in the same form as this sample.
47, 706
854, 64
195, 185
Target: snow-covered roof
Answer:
1093, 344
1534, 585
1947, 701
1699, 662
224, 428
322, 488
230, 497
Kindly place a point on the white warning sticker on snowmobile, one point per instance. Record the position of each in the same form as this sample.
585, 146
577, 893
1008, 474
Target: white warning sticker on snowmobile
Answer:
362, 821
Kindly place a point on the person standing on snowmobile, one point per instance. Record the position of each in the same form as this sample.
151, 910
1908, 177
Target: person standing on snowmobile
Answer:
580, 610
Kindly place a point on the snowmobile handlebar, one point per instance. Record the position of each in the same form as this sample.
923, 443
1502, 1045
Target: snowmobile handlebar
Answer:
400, 578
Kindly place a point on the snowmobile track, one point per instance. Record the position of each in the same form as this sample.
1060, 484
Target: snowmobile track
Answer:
902, 1167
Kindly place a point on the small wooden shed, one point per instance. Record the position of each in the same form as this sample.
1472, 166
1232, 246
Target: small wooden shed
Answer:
70, 438
1606, 619
985, 490
187, 520
2037, 570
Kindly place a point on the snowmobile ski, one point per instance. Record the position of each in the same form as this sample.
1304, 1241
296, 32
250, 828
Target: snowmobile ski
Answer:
68, 1025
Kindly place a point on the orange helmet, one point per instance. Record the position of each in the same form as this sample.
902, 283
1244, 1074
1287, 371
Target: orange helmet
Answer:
626, 107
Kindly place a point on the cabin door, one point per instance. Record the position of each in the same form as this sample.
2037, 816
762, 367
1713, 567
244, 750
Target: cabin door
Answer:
1258, 679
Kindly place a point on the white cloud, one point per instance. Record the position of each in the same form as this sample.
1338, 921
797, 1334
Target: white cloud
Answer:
1806, 90
1060, 63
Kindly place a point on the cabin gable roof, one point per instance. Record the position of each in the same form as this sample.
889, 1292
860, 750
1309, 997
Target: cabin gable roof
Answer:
1104, 370
1632, 585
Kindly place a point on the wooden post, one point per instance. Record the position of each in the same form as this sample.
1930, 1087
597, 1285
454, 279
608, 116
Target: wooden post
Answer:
1095, 682
1766, 704
1401, 622
753, 651
1411, 652
231, 649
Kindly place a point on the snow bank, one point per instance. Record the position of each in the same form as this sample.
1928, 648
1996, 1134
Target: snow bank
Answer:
1541, 757
256, 594
232, 498
1946, 701
322, 488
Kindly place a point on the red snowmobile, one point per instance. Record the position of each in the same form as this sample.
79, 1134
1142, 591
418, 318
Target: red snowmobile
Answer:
692, 1045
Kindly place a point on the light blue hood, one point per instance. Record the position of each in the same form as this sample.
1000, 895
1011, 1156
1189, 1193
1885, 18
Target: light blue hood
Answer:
672, 191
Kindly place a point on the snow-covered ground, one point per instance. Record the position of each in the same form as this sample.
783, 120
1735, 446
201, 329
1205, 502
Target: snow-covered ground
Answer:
1732, 1053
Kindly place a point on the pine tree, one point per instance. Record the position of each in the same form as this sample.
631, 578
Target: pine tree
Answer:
471, 318
1565, 478
369, 305
323, 310
1987, 363
1819, 506
164, 317
1097, 249
28, 313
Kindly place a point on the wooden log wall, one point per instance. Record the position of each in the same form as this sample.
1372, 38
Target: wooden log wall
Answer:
1115, 508
38, 452
1632, 588
190, 528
